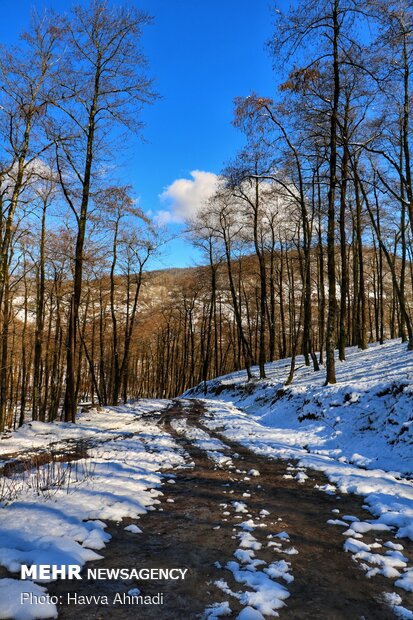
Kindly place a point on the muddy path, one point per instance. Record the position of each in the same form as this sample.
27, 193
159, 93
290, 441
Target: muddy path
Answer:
195, 526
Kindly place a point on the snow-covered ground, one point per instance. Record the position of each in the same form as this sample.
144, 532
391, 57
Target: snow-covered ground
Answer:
366, 418
64, 523
265, 594
359, 432
213, 447
261, 586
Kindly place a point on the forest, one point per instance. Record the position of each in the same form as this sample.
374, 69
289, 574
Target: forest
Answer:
306, 242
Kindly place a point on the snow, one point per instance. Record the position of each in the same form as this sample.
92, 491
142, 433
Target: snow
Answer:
108, 423
213, 447
406, 581
403, 613
67, 525
10, 607
249, 525
249, 613
253, 472
301, 477
392, 545
366, 418
134, 592
288, 551
134, 529
394, 600
249, 542
386, 565
278, 570
239, 507
387, 495
362, 527
358, 432
266, 596
262, 593
217, 611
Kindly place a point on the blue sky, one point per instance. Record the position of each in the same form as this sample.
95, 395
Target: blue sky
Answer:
202, 53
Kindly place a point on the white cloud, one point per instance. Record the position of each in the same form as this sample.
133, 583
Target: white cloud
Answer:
185, 197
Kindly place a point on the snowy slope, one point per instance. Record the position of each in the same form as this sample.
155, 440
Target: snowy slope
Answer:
366, 418
64, 524
357, 432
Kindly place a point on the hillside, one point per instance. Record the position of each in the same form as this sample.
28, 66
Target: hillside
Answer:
366, 418
292, 502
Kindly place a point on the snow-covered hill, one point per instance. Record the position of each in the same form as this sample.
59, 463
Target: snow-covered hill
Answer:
358, 432
366, 418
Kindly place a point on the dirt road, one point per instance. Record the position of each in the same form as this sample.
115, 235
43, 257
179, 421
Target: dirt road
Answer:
196, 526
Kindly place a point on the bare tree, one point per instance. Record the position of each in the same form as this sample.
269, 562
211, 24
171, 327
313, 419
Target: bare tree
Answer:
25, 94
102, 84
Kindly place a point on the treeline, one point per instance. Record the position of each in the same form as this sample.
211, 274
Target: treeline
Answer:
196, 339
321, 195
307, 239
70, 94
185, 330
